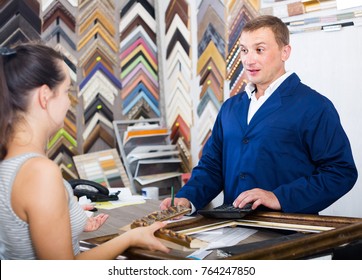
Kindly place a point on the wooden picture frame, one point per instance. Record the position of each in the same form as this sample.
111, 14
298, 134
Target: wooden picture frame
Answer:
321, 234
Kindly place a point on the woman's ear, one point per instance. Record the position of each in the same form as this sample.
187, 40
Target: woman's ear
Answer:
44, 94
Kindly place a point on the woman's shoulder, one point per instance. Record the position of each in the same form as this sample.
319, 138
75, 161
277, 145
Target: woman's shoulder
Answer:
30, 162
41, 165
39, 179
36, 170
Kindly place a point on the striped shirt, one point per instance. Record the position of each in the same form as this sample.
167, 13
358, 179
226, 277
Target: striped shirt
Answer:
15, 241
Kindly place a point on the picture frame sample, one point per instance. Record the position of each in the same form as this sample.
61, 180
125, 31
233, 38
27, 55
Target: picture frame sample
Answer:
313, 235
300, 236
120, 128
134, 137
104, 167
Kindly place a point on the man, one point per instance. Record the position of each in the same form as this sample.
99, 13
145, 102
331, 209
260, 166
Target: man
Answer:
279, 144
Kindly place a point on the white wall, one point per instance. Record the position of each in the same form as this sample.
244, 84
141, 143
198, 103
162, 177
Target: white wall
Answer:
331, 63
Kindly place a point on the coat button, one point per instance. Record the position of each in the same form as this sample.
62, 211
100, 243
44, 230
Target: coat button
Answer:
246, 140
242, 176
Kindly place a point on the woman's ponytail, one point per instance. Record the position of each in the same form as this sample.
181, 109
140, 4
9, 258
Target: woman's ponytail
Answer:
6, 114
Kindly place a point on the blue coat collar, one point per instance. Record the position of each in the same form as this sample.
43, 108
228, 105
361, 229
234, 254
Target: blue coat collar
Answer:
241, 107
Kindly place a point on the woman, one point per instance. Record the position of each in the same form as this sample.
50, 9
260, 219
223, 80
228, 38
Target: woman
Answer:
39, 217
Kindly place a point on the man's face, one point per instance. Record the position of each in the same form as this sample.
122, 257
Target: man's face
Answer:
262, 58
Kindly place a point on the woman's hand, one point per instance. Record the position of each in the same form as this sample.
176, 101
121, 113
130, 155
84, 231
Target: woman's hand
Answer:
94, 223
144, 237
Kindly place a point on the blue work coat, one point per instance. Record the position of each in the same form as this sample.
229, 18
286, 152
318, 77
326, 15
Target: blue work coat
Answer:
293, 146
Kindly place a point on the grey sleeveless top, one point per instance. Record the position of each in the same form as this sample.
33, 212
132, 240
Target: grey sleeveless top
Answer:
15, 241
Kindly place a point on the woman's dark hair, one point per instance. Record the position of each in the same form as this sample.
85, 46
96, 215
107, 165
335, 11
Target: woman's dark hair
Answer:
23, 68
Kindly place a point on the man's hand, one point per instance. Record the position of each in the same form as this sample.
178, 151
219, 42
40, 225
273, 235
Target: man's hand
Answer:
166, 203
257, 197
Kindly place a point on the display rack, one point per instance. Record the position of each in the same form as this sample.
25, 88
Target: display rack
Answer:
148, 156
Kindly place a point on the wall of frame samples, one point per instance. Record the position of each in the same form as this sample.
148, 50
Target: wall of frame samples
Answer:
172, 60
